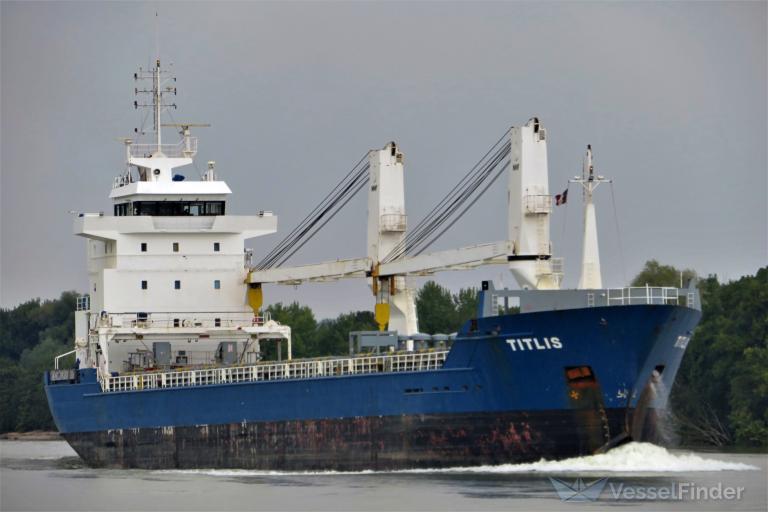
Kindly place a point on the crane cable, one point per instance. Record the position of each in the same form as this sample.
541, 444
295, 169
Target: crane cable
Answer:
420, 238
328, 208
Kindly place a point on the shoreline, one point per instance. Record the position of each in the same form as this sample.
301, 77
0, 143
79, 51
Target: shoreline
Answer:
33, 435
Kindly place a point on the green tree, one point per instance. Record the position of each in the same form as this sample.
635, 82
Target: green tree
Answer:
435, 308
465, 303
721, 392
31, 335
303, 325
656, 274
332, 337
10, 373
32, 412
441, 312
21, 327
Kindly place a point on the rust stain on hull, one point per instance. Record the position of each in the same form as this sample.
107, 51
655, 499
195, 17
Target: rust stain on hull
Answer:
378, 443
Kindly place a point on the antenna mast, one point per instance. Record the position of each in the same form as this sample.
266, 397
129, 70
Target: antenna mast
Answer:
591, 277
159, 89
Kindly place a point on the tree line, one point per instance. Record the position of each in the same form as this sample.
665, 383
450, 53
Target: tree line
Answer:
720, 396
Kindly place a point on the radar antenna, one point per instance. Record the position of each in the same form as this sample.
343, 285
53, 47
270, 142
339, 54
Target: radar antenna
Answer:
189, 146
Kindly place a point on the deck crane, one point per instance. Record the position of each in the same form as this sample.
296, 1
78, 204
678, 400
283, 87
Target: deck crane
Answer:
393, 254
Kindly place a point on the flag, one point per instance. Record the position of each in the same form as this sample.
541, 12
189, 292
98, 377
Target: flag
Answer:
561, 198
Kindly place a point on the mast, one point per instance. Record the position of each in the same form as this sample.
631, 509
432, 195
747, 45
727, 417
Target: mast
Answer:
156, 101
157, 91
591, 277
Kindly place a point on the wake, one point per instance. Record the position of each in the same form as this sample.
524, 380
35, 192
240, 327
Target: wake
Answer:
628, 458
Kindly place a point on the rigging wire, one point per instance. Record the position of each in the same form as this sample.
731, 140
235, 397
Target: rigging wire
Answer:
307, 230
314, 221
420, 237
565, 217
442, 217
618, 235
466, 208
321, 226
303, 228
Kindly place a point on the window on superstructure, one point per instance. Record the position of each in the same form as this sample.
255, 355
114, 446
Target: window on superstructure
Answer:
143, 285
175, 246
216, 246
177, 285
216, 284
178, 208
122, 210
143, 246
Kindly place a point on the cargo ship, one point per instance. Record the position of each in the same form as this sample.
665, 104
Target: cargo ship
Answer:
170, 362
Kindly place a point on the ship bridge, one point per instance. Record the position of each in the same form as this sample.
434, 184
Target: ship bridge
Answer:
166, 270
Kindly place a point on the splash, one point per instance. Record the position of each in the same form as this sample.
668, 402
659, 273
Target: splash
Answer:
629, 458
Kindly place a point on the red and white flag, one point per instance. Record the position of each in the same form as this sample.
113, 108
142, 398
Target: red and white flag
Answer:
561, 198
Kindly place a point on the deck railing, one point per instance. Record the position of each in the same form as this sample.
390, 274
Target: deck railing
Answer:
301, 369
180, 320
182, 149
643, 295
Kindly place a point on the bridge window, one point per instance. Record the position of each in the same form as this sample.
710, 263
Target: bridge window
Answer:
178, 208
122, 210
177, 285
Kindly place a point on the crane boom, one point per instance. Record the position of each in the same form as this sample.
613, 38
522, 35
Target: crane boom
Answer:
392, 255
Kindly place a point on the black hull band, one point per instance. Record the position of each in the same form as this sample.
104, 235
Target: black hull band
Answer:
349, 444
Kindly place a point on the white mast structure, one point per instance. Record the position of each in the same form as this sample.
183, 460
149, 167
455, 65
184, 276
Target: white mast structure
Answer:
395, 301
529, 208
591, 277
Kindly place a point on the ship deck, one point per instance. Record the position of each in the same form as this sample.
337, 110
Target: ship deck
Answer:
275, 370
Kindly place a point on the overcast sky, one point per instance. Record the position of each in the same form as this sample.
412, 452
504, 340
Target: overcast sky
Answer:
672, 97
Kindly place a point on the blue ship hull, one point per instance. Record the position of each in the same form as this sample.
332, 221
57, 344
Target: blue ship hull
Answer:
513, 388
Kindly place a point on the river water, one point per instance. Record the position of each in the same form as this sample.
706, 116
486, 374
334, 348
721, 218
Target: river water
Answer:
47, 475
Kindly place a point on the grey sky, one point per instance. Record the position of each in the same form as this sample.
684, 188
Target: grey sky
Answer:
672, 96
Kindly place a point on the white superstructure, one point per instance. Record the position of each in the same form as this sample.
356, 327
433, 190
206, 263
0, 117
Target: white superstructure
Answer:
167, 269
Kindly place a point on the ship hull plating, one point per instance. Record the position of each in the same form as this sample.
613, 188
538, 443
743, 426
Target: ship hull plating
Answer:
513, 388
351, 444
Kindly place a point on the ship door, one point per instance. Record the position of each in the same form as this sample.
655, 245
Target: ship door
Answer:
586, 401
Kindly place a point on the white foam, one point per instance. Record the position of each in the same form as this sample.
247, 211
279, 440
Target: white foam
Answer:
629, 458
